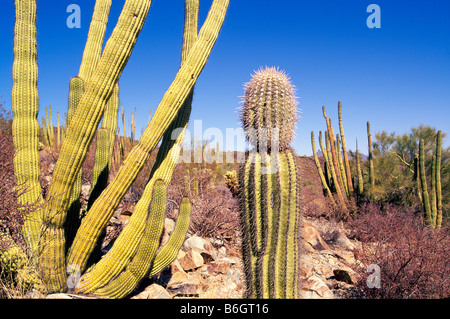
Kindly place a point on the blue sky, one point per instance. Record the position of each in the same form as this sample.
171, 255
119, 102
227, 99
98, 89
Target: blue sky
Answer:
396, 77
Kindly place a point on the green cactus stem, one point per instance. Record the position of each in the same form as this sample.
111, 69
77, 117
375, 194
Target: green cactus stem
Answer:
168, 108
348, 172
438, 179
96, 34
360, 188
333, 155
269, 199
371, 168
327, 163
269, 188
432, 194
334, 173
81, 131
325, 187
341, 166
417, 177
423, 181
25, 127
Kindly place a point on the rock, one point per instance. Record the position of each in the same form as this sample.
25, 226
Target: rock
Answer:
189, 286
202, 246
153, 291
85, 190
219, 266
169, 225
190, 260
58, 296
315, 288
343, 242
312, 237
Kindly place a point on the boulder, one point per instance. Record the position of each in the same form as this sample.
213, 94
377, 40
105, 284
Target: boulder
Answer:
190, 260
315, 288
153, 291
312, 237
220, 266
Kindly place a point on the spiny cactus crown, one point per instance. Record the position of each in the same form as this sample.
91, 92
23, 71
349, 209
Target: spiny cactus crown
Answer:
269, 109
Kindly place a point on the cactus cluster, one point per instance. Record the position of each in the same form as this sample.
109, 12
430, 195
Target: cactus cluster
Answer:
269, 189
336, 177
55, 232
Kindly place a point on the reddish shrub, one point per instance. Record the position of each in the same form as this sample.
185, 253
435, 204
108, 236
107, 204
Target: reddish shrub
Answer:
413, 258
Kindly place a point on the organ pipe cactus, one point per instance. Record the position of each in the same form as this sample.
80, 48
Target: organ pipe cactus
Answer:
269, 188
348, 173
371, 168
438, 179
423, 182
50, 243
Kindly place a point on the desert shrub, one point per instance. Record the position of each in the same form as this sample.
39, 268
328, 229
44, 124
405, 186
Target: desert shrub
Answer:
11, 216
215, 214
413, 258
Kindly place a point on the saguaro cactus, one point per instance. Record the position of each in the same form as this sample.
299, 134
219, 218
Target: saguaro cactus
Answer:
99, 84
269, 188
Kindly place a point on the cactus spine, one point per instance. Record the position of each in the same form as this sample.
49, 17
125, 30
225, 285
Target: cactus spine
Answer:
269, 190
264, 126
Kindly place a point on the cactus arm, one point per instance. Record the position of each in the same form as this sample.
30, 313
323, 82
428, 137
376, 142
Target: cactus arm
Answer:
82, 128
169, 251
76, 90
423, 181
341, 166
327, 162
109, 121
96, 35
25, 107
433, 192
172, 101
359, 172
319, 168
148, 244
337, 186
371, 169
438, 179
348, 172
100, 172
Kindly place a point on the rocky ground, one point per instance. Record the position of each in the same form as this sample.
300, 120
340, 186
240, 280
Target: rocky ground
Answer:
207, 268
210, 268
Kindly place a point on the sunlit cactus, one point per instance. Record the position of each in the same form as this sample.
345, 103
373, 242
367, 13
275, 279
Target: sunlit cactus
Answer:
269, 109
